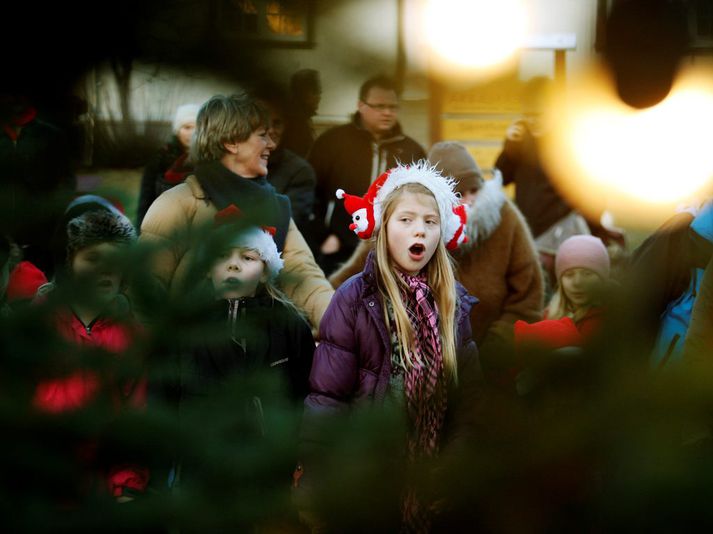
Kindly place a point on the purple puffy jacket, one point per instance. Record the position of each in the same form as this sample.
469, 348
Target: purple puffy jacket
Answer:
353, 361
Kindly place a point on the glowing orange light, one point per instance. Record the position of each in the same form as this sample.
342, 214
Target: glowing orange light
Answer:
638, 163
477, 35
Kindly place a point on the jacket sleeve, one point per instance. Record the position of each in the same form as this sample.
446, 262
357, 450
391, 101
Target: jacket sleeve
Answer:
302, 279
467, 399
301, 363
698, 345
334, 373
525, 298
509, 159
332, 381
147, 192
301, 192
166, 228
319, 160
354, 265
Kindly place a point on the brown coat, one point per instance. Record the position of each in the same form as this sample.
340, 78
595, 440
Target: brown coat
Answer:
501, 268
176, 212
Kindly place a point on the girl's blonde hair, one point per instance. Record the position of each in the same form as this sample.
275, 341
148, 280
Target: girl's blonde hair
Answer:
275, 292
440, 279
560, 306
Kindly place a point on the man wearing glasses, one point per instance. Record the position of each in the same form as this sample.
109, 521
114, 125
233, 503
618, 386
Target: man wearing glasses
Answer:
352, 156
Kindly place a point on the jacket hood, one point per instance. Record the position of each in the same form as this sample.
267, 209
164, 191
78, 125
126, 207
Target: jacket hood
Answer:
485, 215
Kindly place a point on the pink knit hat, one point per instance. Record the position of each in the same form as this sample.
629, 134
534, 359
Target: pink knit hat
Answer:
584, 251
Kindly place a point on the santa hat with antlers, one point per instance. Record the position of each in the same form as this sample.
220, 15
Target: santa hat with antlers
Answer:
259, 239
366, 210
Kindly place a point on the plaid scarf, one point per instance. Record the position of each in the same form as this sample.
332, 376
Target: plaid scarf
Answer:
426, 392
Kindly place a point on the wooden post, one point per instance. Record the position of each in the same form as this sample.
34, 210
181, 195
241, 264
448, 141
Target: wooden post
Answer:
560, 67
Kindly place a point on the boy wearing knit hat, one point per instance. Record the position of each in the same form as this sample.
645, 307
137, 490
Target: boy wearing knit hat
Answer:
92, 316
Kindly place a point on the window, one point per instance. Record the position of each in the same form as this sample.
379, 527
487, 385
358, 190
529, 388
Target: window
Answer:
701, 23
278, 22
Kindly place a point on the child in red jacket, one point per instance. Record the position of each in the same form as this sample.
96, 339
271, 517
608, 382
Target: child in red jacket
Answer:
92, 317
574, 313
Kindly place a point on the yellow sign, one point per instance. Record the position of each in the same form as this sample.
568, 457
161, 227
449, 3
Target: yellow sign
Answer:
485, 155
475, 129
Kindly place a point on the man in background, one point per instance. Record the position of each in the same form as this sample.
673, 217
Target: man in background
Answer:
351, 157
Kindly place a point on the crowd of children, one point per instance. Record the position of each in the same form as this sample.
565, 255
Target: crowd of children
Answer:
398, 335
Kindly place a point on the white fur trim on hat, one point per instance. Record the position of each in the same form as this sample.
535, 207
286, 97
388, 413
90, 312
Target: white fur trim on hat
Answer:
421, 172
185, 114
261, 241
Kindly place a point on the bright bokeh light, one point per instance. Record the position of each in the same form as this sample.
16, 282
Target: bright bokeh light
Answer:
475, 34
638, 163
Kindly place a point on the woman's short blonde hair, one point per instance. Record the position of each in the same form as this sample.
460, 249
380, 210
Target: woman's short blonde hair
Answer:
225, 119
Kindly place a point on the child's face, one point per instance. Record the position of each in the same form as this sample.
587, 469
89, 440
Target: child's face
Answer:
95, 268
413, 232
468, 196
237, 273
580, 286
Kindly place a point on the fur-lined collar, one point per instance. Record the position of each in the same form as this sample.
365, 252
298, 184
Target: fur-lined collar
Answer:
485, 215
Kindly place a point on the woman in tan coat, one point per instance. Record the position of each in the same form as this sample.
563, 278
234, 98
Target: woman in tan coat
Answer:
230, 152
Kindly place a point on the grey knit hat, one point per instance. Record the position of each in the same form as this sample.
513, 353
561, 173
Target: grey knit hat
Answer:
453, 159
98, 226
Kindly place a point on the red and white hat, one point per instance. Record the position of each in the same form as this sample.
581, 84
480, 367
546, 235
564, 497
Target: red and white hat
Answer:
261, 239
366, 210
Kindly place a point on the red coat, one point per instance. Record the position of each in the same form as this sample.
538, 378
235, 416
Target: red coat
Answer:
558, 333
82, 386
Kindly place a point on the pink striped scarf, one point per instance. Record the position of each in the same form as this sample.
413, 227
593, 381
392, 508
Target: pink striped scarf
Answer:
425, 388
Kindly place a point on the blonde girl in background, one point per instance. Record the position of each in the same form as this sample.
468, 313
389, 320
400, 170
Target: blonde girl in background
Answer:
575, 311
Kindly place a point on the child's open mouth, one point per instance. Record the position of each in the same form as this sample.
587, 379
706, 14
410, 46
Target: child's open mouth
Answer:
416, 251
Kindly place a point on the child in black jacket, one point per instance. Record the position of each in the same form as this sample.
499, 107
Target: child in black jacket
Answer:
246, 358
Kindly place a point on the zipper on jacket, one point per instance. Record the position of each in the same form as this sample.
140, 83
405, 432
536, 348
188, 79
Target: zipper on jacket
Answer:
669, 351
233, 310
87, 327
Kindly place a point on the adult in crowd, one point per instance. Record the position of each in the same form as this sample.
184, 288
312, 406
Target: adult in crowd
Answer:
169, 167
305, 95
230, 152
551, 218
19, 280
352, 156
661, 283
289, 174
498, 264
697, 251
37, 179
